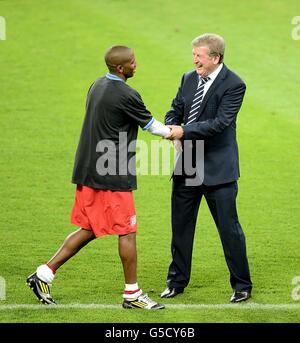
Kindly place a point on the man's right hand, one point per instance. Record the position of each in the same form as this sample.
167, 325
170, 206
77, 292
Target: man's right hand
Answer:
176, 132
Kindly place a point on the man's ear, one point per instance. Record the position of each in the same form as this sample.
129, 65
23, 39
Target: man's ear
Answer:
217, 59
120, 68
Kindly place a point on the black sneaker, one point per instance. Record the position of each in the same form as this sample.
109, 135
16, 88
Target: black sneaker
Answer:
144, 302
41, 289
240, 296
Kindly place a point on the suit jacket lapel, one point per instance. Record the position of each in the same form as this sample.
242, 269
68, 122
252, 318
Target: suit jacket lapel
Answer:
212, 88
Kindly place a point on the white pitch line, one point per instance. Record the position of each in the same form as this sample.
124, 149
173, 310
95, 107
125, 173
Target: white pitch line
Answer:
242, 306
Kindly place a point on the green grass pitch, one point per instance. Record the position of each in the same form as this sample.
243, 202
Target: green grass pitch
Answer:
52, 52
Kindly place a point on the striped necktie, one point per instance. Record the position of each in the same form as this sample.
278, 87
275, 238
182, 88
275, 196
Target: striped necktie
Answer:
197, 101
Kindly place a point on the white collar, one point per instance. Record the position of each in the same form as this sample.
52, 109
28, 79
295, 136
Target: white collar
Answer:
215, 73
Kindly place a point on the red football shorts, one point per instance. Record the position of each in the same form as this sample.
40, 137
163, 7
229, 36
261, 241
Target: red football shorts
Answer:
104, 212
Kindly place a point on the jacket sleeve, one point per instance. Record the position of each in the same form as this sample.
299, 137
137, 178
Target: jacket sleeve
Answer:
175, 115
226, 114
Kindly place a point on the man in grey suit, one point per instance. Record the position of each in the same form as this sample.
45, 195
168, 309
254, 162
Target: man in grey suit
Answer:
205, 108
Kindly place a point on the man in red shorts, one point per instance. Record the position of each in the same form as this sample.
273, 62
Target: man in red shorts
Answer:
105, 176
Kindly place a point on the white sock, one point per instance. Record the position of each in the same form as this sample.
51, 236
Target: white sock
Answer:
132, 291
44, 273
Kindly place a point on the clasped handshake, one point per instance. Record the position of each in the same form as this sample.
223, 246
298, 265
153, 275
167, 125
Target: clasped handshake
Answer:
172, 132
176, 132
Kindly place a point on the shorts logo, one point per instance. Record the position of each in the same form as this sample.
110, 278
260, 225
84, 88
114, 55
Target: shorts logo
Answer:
133, 220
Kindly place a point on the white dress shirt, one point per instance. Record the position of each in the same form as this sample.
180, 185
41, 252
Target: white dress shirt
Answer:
212, 78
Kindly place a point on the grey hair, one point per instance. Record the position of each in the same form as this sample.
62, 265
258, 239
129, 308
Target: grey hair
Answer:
214, 43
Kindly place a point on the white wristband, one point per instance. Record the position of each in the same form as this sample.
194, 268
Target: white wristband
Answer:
159, 129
